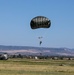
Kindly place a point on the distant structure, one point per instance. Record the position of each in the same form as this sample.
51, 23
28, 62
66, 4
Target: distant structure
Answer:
3, 56
36, 57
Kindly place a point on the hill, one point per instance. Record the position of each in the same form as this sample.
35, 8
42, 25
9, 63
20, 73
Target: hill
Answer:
27, 50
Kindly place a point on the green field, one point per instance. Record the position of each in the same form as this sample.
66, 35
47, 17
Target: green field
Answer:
36, 67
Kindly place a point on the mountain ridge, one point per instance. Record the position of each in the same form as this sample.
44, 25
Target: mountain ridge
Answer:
30, 50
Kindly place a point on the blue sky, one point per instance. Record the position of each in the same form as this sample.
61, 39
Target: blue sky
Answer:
15, 17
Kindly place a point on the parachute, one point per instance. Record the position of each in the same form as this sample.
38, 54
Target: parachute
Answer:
40, 22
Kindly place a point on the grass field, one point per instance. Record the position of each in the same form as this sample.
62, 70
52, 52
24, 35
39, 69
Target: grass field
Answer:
36, 67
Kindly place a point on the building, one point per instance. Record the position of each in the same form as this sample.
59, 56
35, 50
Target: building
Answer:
3, 56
